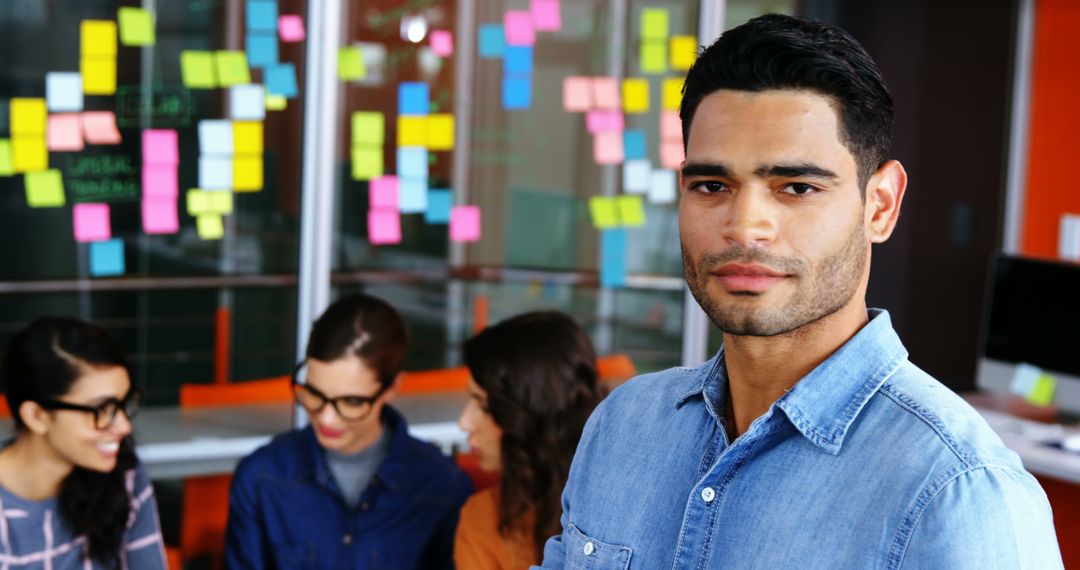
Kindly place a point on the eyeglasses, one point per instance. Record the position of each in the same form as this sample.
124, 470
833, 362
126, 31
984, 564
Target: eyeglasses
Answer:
104, 413
348, 407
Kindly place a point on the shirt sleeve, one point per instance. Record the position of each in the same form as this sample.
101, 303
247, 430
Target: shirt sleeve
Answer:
244, 543
143, 545
984, 518
439, 552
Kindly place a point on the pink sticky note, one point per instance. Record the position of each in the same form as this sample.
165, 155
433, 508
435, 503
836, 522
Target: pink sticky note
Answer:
672, 154
577, 94
546, 15
91, 222
604, 121
160, 146
608, 148
64, 132
99, 127
384, 226
519, 28
159, 215
465, 223
383, 193
670, 127
442, 43
606, 93
291, 28
160, 180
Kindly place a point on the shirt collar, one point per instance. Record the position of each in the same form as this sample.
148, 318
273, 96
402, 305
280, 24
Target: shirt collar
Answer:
389, 472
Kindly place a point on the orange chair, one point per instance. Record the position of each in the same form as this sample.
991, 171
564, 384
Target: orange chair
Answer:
439, 380
5, 412
269, 391
173, 558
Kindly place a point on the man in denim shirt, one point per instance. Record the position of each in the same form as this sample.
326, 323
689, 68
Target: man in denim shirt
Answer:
809, 441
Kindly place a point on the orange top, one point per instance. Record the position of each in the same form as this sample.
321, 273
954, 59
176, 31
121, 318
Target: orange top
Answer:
479, 546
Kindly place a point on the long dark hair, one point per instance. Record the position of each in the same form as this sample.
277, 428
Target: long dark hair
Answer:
41, 362
539, 372
363, 326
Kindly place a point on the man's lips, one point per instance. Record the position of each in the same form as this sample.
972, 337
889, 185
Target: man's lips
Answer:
739, 277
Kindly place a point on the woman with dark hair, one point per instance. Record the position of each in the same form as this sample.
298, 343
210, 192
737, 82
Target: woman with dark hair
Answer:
72, 493
353, 489
533, 385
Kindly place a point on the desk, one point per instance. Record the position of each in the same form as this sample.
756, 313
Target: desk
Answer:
1023, 437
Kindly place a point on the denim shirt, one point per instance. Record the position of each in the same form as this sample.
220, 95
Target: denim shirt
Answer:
867, 462
286, 510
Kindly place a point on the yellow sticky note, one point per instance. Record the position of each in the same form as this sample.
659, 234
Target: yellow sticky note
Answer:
232, 68
412, 130
1043, 392
248, 173
7, 167
653, 57
98, 38
28, 117
368, 127
440, 132
197, 202
635, 95
672, 93
350, 63
247, 137
197, 69
44, 189
202, 202
136, 27
654, 24
604, 212
367, 162
276, 102
631, 211
210, 226
29, 154
98, 75
683, 52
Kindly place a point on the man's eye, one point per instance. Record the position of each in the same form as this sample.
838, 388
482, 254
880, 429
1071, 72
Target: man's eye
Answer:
710, 187
799, 189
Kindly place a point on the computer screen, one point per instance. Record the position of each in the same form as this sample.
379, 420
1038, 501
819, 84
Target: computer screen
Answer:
1033, 316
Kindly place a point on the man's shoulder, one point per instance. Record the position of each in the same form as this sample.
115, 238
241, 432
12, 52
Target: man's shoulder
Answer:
279, 456
660, 391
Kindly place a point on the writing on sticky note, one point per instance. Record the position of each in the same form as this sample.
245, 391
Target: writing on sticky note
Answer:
604, 212
28, 117
414, 98
384, 227
262, 15
44, 189
440, 132
7, 163
606, 93
281, 79
215, 136
683, 52
291, 28
637, 175
465, 224
492, 43
210, 227
197, 70
107, 258
440, 200
577, 94
654, 24
663, 187
232, 68
160, 146
411, 131
215, 172
613, 257
516, 93
159, 215
634, 145
97, 38
351, 64
64, 132
635, 95
63, 91
546, 15
672, 155
604, 121
368, 127
608, 148
247, 137
91, 222
99, 127
367, 162
29, 154
519, 28
261, 48
672, 93
247, 173
442, 43
631, 211
383, 193
653, 57
136, 26
98, 75
412, 162
247, 102
160, 180
1043, 392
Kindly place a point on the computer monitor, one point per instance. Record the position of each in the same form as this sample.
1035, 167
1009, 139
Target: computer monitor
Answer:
1032, 316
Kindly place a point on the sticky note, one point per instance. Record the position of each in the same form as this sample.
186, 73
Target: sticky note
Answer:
215, 173
64, 132
631, 211
160, 146
91, 222
247, 173
351, 63
1043, 392
637, 175
367, 162
281, 79
215, 136
63, 91
1024, 379
519, 28
412, 162
672, 155
518, 60
97, 38
98, 75
412, 131
231, 68
604, 121
546, 15
442, 43
440, 200
492, 43
384, 227
201, 202
672, 93
608, 148
159, 215
261, 48
7, 164
606, 93
670, 126
107, 258
368, 127
29, 154
414, 99
28, 117
99, 127
604, 211
440, 132
654, 24
136, 27
653, 57
516, 93
247, 102
577, 94
634, 145
464, 224
383, 193
276, 102
197, 70
613, 257
663, 187
44, 189
160, 181
262, 15
210, 226
683, 52
412, 195
291, 28
247, 137
635, 95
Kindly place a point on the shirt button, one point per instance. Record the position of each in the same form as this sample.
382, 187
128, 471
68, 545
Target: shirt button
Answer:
364, 506
347, 539
589, 549
707, 494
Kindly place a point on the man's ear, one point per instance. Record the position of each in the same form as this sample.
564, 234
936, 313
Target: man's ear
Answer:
36, 418
884, 196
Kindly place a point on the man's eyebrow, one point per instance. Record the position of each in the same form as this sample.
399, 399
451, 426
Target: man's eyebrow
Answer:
705, 169
794, 171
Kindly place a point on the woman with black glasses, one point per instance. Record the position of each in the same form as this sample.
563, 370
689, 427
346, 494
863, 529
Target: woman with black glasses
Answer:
352, 489
72, 493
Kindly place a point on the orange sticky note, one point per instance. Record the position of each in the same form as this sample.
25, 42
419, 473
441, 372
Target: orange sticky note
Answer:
99, 127
608, 148
64, 132
606, 93
577, 94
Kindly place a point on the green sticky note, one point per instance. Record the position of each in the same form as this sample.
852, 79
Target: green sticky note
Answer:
1043, 393
197, 69
654, 24
136, 27
367, 162
368, 128
7, 166
232, 68
604, 211
631, 211
654, 57
44, 189
350, 63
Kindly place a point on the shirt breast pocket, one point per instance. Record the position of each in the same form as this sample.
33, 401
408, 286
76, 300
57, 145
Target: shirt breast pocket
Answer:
586, 553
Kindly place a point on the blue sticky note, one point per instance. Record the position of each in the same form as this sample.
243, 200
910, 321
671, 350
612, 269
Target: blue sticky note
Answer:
492, 41
613, 257
517, 92
107, 258
262, 15
412, 162
519, 60
412, 195
413, 99
439, 202
262, 49
281, 79
634, 145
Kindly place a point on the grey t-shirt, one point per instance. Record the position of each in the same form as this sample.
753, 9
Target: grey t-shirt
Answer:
354, 472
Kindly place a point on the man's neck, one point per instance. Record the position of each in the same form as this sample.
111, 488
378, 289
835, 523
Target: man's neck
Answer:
760, 370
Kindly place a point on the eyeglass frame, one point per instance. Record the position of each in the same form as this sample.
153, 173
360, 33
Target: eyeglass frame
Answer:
369, 400
134, 396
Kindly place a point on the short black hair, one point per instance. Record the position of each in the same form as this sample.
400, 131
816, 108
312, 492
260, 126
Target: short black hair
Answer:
786, 52
363, 326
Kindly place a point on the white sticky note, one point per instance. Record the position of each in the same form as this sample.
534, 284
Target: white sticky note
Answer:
412, 195
63, 91
637, 176
1069, 237
663, 187
215, 172
1024, 379
215, 137
247, 102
